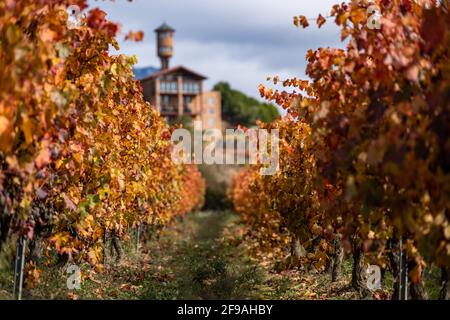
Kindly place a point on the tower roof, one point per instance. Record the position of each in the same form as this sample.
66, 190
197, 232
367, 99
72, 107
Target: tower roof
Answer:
164, 27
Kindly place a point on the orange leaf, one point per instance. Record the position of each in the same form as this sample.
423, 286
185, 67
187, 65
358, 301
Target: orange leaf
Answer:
43, 158
320, 20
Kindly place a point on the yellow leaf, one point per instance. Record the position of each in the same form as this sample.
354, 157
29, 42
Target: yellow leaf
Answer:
447, 232
5, 134
358, 16
27, 127
4, 124
78, 157
43, 158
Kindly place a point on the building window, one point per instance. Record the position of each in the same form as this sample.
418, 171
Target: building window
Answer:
165, 100
212, 101
191, 87
212, 110
212, 122
168, 103
169, 86
187, 100
196, 88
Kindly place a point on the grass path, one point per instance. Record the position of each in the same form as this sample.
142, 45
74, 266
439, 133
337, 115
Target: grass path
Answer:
203, 256
198, 261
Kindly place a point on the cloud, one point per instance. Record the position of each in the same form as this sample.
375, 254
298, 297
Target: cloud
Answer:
239, 41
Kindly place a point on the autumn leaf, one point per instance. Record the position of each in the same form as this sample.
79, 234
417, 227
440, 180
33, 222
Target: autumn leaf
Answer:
412, 74
27, 128
43, 158
320, 21
4, 124
301, 21
135, 36
358, 16
5, 134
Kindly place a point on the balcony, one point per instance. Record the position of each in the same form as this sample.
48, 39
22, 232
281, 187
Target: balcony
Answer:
191, 88
168, 87
169, 109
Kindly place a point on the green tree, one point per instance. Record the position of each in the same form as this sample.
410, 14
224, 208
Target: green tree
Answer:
240, 109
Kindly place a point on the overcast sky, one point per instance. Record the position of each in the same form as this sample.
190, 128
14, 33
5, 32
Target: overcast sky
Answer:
239, 41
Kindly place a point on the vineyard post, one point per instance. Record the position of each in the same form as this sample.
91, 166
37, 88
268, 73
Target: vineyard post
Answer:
104, 246
138, 234
403, 273
18, 269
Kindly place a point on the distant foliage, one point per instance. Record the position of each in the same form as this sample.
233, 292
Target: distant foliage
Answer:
192, 191
239, 109
252, 202
218, 180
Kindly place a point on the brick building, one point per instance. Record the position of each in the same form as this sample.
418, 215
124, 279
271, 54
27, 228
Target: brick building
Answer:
178, 92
